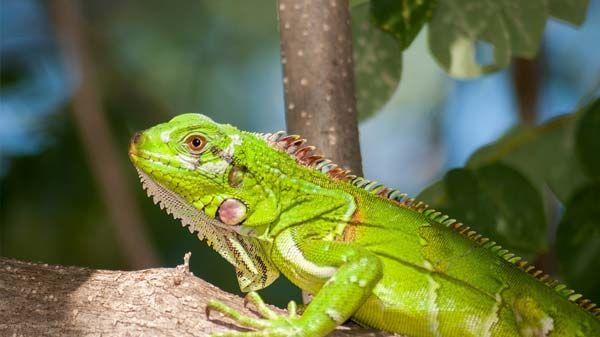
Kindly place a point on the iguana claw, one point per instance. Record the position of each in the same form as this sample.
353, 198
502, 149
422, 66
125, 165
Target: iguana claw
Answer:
270, 325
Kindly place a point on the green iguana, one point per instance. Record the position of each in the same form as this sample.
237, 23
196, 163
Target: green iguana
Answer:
269, 205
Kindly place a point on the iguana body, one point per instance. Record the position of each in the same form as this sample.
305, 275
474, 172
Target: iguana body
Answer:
366, 252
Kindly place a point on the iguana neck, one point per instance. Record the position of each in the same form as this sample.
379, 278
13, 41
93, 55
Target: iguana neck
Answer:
293, 184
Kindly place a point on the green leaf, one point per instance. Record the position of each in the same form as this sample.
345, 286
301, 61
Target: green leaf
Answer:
377, 63
545, 154
578, 241
468, 202
572, 11
473, 37
496, 201
587, 140
402, 19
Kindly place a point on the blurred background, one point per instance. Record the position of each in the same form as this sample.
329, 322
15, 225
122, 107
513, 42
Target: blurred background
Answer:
77, 79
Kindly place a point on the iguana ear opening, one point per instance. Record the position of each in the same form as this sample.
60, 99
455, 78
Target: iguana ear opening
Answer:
231, 212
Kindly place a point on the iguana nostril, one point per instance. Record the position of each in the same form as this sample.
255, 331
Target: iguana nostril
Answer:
136, 138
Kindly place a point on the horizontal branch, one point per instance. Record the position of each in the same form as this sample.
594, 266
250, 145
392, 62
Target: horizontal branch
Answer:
43, 300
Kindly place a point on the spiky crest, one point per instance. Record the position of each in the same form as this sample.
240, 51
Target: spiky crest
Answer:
295, 146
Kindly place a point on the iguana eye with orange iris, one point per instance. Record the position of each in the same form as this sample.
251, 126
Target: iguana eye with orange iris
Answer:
195, 143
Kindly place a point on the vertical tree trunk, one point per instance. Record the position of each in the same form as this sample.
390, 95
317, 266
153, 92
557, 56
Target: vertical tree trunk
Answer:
316, 54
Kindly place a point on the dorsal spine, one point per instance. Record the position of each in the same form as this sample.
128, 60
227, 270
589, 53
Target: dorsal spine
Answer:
296, 147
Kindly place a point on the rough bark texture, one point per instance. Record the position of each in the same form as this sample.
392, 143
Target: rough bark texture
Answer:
316, 53
42, 300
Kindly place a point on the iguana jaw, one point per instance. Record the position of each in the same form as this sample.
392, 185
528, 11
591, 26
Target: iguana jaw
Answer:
254, 269
191, 217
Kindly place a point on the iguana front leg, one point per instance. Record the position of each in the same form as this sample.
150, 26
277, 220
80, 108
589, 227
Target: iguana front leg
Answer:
341, 275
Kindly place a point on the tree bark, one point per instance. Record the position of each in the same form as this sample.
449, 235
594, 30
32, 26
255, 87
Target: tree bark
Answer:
316, 54
43, 300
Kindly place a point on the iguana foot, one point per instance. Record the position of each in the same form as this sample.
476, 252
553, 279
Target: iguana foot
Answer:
270, 325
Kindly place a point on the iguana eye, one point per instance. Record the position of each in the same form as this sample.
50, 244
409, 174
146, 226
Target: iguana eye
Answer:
196, 143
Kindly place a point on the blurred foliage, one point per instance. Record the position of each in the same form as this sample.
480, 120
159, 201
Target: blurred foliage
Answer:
578, 241
211, 65
568, 10
155, 59
501, 203
499, 193
31, 81
402, 19
377, 63
588, 142
468, 38
545, 154
471, 37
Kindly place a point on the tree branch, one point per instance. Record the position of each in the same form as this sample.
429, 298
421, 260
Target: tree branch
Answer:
316, 53
42, 300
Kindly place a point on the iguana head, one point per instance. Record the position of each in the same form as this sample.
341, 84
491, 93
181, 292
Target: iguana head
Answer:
188, 166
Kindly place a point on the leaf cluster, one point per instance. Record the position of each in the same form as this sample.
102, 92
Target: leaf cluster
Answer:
508, 190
